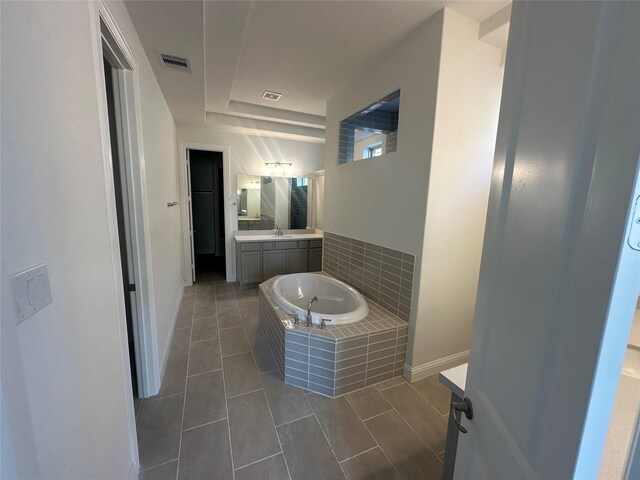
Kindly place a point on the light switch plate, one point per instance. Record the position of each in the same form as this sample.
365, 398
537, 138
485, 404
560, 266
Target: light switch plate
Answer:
31, 290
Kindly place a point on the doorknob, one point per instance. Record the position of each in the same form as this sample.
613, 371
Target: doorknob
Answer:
458, 408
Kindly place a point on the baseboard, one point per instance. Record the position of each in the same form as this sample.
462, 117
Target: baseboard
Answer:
173, 330
425, 370
134, 470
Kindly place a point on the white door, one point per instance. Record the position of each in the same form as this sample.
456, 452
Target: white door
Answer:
559, 279
190, 210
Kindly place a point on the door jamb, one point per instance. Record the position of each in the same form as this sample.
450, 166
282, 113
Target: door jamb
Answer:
229, 215
146, 341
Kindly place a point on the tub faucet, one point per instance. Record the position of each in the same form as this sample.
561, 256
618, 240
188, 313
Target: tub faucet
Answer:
309, 324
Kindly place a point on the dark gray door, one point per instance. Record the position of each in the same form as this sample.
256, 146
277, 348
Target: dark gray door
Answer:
207, 204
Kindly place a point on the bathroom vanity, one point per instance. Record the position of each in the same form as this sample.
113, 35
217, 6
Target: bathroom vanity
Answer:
260, 257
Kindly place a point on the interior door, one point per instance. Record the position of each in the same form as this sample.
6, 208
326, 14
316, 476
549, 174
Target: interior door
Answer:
559, 277
190, 210
123, 213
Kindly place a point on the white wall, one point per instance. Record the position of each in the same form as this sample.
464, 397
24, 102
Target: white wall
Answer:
253, 203
469, 88
283, 201
63, 379
428, 198
248, 154
382, 200
318, 192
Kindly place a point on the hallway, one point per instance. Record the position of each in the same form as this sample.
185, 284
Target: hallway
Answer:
224, 412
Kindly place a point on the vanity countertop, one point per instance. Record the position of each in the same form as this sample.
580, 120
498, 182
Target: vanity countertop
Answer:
246, 219
241, 237
455, 379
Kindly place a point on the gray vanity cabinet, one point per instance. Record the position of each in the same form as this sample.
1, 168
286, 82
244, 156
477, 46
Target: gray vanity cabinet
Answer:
315, 255
249, 263
297, 256
273, 261
260, 261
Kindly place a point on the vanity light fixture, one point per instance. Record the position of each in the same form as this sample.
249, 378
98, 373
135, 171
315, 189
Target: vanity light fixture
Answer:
278, 167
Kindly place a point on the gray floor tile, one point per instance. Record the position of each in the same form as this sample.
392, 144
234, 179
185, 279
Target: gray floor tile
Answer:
344, 429
407, 452
205, 305
434, 392
226, 304
205, 356
163, 472
390, 383
175, 375
204, 402
233, 341
254, 331
423, 418
272, 468
287, 402
204, 328
223, 289
229, 318
372, 465
158, 430
185, 313
262, 354
253, 436
307, 452
240, 374
248, 310
368, 402
247, 293
180, 341
205, 453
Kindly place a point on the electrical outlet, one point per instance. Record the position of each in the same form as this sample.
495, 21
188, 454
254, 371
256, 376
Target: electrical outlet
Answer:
31, 290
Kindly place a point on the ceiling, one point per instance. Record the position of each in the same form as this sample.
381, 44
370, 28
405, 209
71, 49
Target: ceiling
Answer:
308, 50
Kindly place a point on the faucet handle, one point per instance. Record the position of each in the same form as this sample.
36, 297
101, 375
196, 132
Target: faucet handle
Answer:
322, 322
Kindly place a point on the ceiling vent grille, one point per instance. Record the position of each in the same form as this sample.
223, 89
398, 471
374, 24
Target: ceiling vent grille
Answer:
274, 96
176, 62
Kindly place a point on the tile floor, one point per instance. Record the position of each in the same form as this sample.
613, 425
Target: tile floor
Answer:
223, 411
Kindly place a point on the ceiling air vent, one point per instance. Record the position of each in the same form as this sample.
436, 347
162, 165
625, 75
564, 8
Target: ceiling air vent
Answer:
267, 95
176, 62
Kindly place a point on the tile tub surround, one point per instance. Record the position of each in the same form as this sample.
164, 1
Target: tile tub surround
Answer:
380, 274
338, 359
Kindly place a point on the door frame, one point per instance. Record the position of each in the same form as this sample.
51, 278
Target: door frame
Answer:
104, 29
230, 216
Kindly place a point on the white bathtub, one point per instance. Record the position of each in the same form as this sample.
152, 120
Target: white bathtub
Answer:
337, 301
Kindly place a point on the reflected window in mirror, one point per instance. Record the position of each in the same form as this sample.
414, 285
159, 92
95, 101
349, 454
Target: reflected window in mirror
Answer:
269, 201
371, 132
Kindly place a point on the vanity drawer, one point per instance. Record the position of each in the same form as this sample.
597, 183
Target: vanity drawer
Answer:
267, 246
286, 245
303, 243
250, 247
316, 243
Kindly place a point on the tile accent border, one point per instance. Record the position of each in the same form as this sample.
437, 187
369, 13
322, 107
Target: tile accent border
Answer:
380, 274
338, 359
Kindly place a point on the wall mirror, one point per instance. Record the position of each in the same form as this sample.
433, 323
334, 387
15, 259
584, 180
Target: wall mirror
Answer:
371, 132
265, 202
